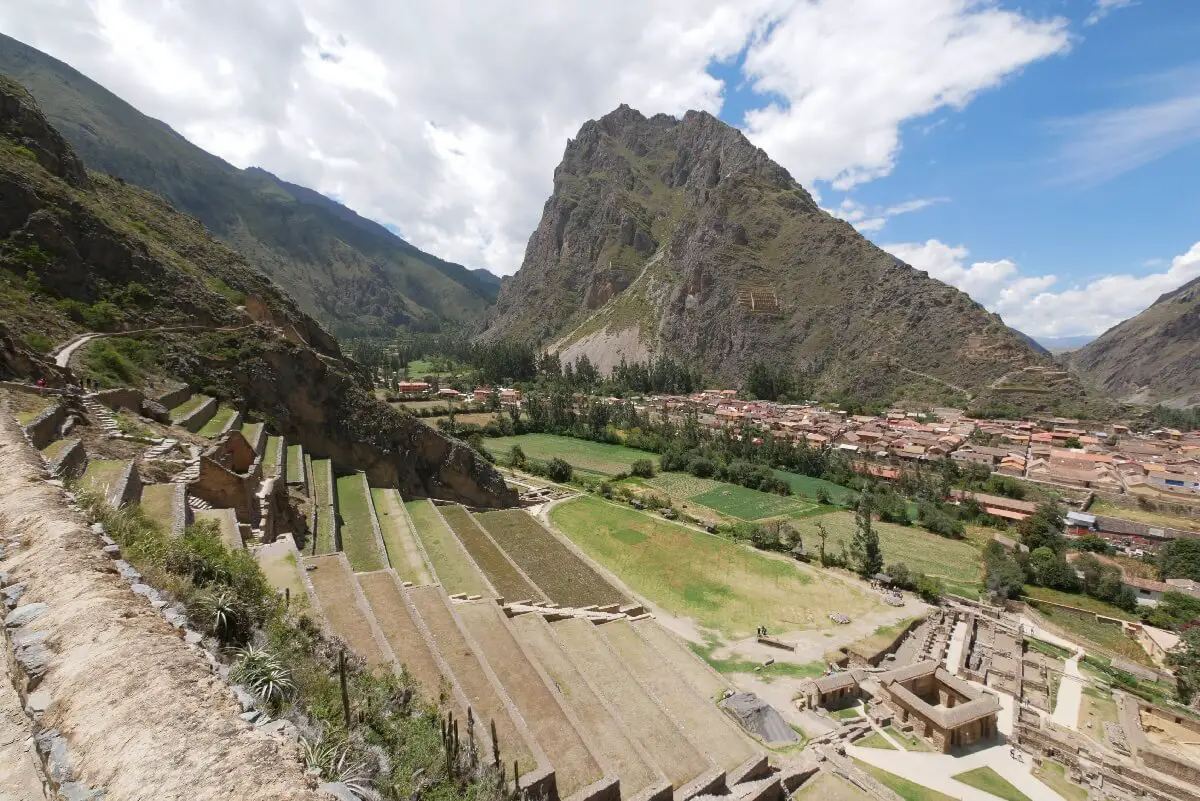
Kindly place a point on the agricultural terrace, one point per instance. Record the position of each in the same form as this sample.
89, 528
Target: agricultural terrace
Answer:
563, 576
218, 422
720, 584
589, 457
322, 479
1079, 601
271, 457
158, 502
188, 406
507, 580
403, 551
466, 419
450, 563
358, 526
1083, 627
295, 464
809, 487
252, 431
102, 475
918, 549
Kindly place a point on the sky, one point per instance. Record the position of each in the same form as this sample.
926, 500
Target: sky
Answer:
1041, 155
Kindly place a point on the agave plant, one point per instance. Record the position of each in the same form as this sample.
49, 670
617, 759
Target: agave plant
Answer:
263, 672
336, 764
222, 612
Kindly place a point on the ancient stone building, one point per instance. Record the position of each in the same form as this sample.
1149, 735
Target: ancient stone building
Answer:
944, 709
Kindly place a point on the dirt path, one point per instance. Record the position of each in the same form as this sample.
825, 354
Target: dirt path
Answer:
143, 715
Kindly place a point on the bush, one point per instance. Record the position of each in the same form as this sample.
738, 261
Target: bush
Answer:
558, 470
39, 342
102, 316
642, 468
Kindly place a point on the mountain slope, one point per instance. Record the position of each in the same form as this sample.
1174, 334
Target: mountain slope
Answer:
679, 237
1153, 357
84, 252
350, 273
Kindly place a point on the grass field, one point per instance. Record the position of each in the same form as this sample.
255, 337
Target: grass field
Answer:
507, 580
465, 419
1105, 637
909, 742
909, 791
398, 537
808, 486
271, 456
450, 564
564, 577
188, 406
102, 475
721, 584
589, 457
322, 478
917, 548
1108, 509
358, 529
826, 786
876, 740
750, 504
1054, 775
227, 526
849, 713
1079, 601
158, 502
989, 781
421, 404
295, 464
218, 422
27, 407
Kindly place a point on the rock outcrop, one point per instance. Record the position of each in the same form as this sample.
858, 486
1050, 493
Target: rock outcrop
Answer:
680, 237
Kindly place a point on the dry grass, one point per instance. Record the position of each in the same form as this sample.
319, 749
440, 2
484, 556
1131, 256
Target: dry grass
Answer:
449, 563
506, 579
102, 475
158, 502
403, 551
401, 631
334, 585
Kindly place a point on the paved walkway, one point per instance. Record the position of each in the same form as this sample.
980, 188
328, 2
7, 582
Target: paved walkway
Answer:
935, 770
1070, 694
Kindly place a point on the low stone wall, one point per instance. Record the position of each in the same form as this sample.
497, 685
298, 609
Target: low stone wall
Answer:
181, 513
117, 399
175, 397
72, 461
379, 543
234, 423
128, 487
195, 421
856, 659
1173, 765
43, 429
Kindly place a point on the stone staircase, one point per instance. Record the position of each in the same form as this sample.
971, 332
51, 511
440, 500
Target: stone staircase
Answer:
102, 415
161, 450
199, 504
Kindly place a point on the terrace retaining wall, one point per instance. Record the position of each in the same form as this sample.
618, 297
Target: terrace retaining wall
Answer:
43, 429
128, 487
195, 421
175, 397
71, 462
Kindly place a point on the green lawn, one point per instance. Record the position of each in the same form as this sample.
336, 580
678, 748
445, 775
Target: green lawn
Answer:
271, 457
989, 781
849, 713
322, 480
55, 449
358, 529
722, 585
909, 791
188, 406
1092, 634
1079, 601
102, 475
808, 486
910, 742
589, 457
876, 740
957, 560
252, 431
449, 562
295, 464
1054, 775
218, 422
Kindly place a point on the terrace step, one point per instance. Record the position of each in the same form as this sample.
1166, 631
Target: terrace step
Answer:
161, 449
696, 671
199, 504
345, 608
385, 594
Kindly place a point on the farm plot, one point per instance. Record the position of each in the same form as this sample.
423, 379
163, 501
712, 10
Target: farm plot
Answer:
491, 560
386, 600
918, 549
295, 464
398, 537
589, 457
334, 585
707, 725
809, 487
486, 703
574, 765
722, 585
1084, 628
218, 421
563, 576
683, 662
322, 481
102, 475
609, 741
751, 504
449, 561
358, 525
271, 456
675, 755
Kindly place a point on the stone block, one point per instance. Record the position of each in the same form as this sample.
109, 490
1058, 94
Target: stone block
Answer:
24, 614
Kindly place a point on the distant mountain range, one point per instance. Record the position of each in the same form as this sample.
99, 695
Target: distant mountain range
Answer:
350, 273
1063, 344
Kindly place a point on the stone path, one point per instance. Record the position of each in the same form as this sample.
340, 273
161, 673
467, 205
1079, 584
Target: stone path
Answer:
936, 770
20, 778
1070, 694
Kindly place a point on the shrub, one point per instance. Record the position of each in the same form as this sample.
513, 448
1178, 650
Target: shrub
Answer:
558, 470
263, 673
39, 342
101, 315
643, 468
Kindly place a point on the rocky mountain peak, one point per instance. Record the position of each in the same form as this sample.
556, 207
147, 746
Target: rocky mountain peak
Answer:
22, 121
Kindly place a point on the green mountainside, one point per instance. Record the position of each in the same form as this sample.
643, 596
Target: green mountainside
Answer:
679, 237
1153, 357
86, 252
351, 274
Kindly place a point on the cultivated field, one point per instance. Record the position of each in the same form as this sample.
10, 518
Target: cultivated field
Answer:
1079, 601
564, 577
683, 662
674, 754
465, 666
399, 538
608, 738
421, 404
449, 562
218, 422
808, 487
102, 475
917, 548
271, 457
322, 480
590, 457
729, 499
383, 595
720, 584
465, 419
334, 585
511, 585
574, 766
358, 529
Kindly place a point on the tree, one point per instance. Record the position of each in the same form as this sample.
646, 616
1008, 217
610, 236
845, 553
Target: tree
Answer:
823, 496
1174, 611
930, 588
516, 456
1003, 575
558, 470
1072, 442
1043, 527
1186, 657
1180, 559
864, 546
643, 468
822, 534
1094, 544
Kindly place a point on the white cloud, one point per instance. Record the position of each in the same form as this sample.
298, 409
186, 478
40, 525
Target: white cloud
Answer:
1030, 304
867, 219
447, 119
1104, 8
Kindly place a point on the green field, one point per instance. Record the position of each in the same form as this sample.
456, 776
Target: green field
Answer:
358, 527
271, 456
295, 464
1079, 601
322, 478
102, 475
989, 781
720, 584
908, 741
188, 406
957, 560
808, 486
589, 457
55, 449
218, 422
876, 740
729, 499
449, 562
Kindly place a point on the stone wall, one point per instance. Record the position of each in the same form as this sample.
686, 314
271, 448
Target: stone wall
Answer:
225, 489
117, 399
175, 397
1173, 765
72, 461
872, 660
43, 429
128, 487
195, 421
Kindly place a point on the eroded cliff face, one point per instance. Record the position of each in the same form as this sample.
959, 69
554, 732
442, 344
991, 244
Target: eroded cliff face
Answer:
679, 237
